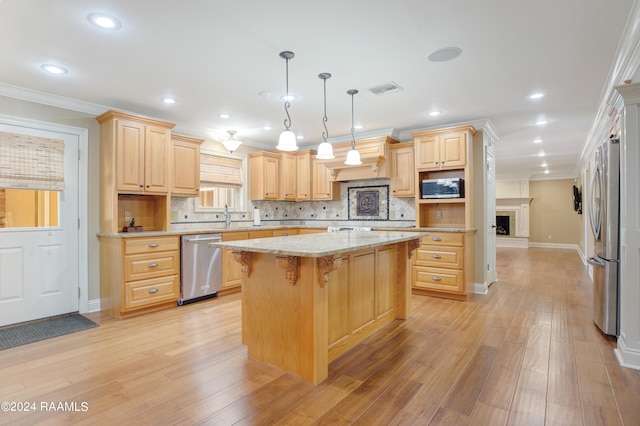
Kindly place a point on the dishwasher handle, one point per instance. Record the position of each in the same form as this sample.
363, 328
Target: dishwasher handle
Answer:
197, 240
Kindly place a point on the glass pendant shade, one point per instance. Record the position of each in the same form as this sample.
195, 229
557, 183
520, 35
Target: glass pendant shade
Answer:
287, 141
353, 158
325, 151
231, 144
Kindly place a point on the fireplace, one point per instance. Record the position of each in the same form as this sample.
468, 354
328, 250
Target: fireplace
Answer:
506, 223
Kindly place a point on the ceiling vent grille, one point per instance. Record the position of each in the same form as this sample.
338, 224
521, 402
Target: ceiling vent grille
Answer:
383, 89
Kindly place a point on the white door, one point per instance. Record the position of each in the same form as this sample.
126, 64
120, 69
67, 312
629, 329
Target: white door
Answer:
492, 275
39, 267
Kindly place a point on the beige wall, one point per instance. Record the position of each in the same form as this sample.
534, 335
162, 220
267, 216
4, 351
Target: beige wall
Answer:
551, 213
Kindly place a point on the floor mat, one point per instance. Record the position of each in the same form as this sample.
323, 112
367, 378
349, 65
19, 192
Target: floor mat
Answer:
11, 337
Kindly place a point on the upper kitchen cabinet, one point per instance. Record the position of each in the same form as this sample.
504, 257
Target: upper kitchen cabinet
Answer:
324, 188
444, 154
304, 175
295, 175
264, 168
443, 149
288, 176
185, 165
403, 170
135, 171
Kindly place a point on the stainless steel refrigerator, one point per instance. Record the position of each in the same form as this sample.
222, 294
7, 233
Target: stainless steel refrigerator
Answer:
604, 216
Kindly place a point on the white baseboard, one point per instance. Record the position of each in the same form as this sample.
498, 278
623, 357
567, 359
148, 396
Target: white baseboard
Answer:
481, 288
556, 246
627, 357
94, 305
516, 242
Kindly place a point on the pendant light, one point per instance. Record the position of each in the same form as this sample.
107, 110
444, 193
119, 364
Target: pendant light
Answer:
287, 141
353, 156
325, 150
230, 142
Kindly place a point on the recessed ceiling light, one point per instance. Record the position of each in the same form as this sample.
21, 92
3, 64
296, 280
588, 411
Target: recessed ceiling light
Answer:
358, 126
536, 96
299, 137
544, 164
224, 116
267, 127
168, 100
537, 140
105, 21
445, 54
541, 122
435, 113
541, 154
288, 98
53, 69
547, 171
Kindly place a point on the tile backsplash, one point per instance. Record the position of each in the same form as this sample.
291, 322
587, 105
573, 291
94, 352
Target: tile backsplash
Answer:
401, 212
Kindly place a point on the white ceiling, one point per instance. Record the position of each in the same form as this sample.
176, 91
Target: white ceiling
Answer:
218, 56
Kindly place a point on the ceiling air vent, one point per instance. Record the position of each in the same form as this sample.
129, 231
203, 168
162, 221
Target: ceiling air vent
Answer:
383, 89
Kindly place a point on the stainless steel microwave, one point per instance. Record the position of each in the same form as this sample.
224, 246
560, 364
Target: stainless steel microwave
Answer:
443, 188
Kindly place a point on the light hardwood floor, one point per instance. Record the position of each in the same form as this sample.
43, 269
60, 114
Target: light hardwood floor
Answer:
528, 353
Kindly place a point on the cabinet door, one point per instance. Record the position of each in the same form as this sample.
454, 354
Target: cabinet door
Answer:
323, 187
453, 150
186, 168
156, 169
303, 177
130, 156
288, 176
231, 270
428, 152
403, 180
271, 170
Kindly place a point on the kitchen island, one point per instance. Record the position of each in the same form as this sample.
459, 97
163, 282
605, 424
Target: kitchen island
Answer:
307, 299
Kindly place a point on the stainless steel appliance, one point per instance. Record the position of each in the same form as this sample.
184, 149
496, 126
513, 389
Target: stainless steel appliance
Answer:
604, 214
443, 188
201, 268
348, 228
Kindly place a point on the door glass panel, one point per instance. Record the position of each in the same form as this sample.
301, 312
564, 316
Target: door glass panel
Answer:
29, 208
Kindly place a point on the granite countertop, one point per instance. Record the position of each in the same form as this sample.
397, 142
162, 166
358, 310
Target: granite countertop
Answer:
321, 244
209, 230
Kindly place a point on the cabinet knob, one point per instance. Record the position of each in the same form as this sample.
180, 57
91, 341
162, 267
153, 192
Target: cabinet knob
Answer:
437, 239
436, 162
153, 290
153, 244
153, 265
436, 278
436, 256
141, 186
148, 186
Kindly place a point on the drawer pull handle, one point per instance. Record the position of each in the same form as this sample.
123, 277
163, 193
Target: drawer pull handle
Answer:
437, 239
153, 265
154, 245
153, 290
436, 256
436, 278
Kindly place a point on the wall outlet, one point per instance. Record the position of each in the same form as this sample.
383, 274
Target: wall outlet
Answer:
548, 237
438, 214
127, 216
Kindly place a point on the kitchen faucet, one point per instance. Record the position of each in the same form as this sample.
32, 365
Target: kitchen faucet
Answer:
227, 217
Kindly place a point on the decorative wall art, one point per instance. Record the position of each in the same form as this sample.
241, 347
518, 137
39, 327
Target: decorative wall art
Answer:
368, 202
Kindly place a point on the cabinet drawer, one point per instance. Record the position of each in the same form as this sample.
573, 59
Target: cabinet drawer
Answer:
438, 279
235, 236
151, 292
150, 245
444, 239
440, 257
143, 266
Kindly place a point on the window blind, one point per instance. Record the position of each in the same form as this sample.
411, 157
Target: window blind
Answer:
220, 171
30, 162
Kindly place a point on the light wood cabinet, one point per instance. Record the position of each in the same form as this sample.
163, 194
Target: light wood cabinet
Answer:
295, 175
441, 149
403, 169
288, 176
231, 273
304, 176
324, 188
443, 265
139, 274
134, 171
265, 175
443, 154
185, 165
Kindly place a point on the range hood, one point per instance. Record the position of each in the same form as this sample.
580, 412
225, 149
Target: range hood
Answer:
374, 154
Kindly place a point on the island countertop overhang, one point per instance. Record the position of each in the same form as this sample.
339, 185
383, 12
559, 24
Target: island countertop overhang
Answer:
320, 244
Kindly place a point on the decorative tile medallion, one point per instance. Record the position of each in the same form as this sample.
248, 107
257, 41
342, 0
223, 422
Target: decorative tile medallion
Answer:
368, 202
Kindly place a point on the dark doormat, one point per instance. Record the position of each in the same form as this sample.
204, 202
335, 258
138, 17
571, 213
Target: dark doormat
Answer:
11, 337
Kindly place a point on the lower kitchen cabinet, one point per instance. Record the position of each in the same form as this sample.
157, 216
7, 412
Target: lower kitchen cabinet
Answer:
443, 265
231, 273
139, 274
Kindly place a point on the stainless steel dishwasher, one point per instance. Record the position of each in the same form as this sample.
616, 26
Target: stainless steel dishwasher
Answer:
200, 268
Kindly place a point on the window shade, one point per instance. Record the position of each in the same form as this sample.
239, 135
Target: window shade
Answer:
220, 171
30, 162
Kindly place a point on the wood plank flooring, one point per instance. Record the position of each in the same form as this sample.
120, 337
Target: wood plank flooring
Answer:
527, 353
